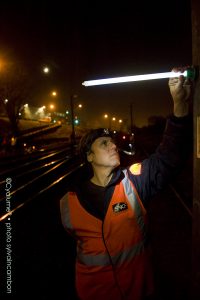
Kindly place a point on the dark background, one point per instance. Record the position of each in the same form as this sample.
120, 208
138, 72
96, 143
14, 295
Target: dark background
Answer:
83, 40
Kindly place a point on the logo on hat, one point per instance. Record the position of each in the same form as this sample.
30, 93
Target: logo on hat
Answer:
106, 131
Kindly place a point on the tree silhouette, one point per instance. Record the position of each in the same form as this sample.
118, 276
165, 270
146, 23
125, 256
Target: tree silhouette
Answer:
14, 90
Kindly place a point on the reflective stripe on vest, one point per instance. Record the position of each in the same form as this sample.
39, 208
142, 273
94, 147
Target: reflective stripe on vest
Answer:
103, 259
65, 212
134, 202
127, 254
120, 256
119, 242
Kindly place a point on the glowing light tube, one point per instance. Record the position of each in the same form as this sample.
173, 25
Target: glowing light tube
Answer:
133, 78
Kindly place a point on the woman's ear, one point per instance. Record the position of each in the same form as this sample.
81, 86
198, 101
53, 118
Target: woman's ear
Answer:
89, 157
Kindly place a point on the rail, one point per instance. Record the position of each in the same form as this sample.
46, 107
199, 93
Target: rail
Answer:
46, 169
48, 187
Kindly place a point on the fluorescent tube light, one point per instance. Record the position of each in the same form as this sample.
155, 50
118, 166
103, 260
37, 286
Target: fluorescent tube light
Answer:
133, 78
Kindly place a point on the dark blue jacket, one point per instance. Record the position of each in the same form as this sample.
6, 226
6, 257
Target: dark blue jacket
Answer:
156, 172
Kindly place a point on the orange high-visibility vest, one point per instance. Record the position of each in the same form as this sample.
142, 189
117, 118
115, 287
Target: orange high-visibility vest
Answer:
113, 260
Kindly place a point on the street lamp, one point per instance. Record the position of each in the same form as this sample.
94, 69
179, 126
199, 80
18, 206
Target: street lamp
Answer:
131, 116
120, 124
106, 116
54, 93
52, 107
46, 70
73, 139
74, 118
113, 119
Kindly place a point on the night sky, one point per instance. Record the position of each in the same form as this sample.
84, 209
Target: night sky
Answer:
83, 40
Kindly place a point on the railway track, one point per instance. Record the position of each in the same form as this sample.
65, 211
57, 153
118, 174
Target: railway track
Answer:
27, 177
43, 254
33, 173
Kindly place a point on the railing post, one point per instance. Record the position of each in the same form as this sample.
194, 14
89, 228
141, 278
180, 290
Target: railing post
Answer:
73, 136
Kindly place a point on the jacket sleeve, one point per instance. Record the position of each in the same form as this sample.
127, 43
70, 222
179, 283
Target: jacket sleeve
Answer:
163, 165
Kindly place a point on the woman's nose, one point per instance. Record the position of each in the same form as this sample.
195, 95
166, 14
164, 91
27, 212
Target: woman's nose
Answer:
113, 145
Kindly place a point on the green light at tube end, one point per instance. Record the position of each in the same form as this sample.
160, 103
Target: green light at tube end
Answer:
192, 73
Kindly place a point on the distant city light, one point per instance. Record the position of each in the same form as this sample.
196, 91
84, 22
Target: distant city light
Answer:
46, 70
133, 78
51, 106
54, 93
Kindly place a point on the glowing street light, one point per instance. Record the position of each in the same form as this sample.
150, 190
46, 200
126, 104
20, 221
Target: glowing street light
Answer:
73, 136
54, 93
51, 106
110, 120
106, 117
46, 70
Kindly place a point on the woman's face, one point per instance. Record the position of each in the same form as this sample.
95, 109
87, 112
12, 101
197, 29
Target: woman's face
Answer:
104, 153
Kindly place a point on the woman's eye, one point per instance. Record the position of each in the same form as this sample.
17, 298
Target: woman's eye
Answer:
105, 143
